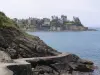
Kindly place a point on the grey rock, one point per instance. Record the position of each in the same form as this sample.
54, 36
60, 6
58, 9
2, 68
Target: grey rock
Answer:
45, 60
20, 45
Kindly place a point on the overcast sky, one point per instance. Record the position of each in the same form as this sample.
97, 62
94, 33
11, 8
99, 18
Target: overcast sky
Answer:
87, 10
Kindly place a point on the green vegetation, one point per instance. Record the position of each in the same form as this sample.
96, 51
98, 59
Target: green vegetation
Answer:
5, 21
77, 21
57, 22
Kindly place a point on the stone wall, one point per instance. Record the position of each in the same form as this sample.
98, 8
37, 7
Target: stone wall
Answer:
52, 65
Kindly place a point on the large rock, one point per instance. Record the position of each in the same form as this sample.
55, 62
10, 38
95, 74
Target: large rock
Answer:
21, 45
53, 65
57, 65
39, 58
4, 57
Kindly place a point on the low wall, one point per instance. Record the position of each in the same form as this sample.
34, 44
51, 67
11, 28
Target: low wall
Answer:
53, 65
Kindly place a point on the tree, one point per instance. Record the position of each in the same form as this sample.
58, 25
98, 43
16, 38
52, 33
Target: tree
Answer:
77, 21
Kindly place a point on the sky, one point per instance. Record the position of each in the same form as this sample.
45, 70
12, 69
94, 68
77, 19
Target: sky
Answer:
87, 10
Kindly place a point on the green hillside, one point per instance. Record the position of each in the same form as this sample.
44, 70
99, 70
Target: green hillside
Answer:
6, 21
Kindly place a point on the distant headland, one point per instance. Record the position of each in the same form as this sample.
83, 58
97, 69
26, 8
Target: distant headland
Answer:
55, 24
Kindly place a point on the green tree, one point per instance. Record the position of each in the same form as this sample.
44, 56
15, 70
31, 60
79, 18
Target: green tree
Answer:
77, 21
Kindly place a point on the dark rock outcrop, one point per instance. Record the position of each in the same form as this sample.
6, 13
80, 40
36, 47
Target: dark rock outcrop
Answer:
38, 58
46, 61
21, 45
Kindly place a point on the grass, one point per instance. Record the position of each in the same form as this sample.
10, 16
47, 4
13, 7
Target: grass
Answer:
6, 21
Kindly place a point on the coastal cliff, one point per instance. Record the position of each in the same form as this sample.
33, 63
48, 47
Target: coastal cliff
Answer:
21, 45
24, 54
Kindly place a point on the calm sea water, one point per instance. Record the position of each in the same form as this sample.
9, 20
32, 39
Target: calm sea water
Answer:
85, 44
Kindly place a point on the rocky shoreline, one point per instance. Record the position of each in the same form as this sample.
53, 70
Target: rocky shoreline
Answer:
23, 54
52, 65
77, 29
20, 46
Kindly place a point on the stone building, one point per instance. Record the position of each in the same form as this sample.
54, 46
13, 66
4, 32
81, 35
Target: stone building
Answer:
46, 21
54, 17
45, 24
64, 18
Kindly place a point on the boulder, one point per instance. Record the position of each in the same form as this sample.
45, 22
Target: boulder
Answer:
4, 57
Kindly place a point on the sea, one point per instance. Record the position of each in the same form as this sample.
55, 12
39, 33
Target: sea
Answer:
85, 44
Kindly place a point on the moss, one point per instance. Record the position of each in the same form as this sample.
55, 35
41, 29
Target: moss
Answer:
29, 36
69, 23
89, 66
6, 21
